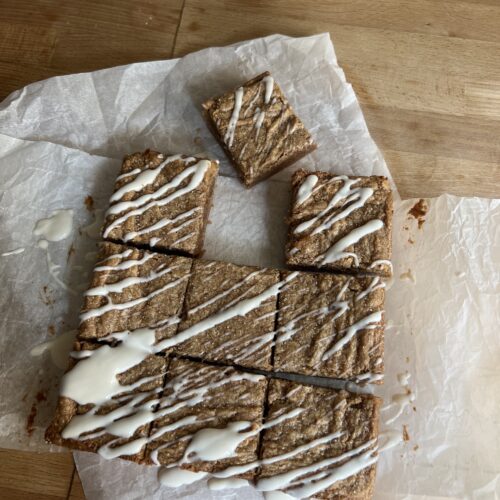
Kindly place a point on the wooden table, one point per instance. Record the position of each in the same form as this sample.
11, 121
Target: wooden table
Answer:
427, 74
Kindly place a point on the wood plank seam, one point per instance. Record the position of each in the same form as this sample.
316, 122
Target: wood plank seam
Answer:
177, 29
71, 482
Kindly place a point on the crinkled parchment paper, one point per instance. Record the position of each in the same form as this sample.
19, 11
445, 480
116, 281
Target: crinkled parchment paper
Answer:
443, 305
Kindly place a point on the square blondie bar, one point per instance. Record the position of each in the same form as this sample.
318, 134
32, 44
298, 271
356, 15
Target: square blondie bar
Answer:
161, 202
101, 395
230, 314
208, 419
258, 129
325, 448
339, 223
132, 289
331, 326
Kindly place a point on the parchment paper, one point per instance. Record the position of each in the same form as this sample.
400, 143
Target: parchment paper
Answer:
115, 111
157, 104
444, 332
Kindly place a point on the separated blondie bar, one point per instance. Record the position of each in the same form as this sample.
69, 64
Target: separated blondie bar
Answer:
258, 129
161, 202
340, 223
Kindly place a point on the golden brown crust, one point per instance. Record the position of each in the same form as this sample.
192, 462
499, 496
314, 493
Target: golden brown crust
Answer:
179, 234
268, 136
305, 250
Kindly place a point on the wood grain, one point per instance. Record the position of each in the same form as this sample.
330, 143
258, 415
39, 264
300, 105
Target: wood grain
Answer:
37, 476
427, 74
76, 490
54, 37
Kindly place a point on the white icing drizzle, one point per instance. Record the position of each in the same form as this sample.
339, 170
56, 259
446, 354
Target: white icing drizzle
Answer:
58, 347
389, 439
119, 286
338, 306
241, 308
258, 122
54, 269
367, 323
212, 444
402, 400
287, 331
349, 197
165, 222
306, 189
16, 251
128, 174
186, 223
256, 114
173, 477
358, 460
281, 481
242, 152
252, 102
57, 227
54, 228
126, 264
154, 241
144, 178
336, 251
215, 484
147, 201
100, 369
277, 495
223, 294
241, 469
292, 392
269, 83
238, 99
111, 306
375, 284
253, 345
183, 238
368, 377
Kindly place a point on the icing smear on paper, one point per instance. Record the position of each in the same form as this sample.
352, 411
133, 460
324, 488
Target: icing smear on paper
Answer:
55, 228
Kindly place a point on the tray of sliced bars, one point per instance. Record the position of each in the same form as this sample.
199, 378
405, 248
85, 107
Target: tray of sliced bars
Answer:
185, 362
215, 253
